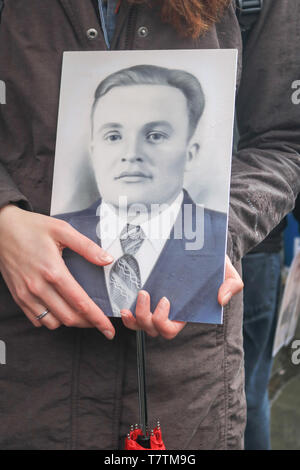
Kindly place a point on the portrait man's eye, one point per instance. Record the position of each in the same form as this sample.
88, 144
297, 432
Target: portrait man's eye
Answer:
156, 137
112, 136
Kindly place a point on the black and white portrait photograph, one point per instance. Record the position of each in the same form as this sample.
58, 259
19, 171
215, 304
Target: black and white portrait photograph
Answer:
142, 168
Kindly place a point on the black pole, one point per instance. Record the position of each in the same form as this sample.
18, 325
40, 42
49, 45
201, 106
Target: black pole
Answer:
143, 440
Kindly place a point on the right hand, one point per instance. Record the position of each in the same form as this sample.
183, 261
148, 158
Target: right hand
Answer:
32, 266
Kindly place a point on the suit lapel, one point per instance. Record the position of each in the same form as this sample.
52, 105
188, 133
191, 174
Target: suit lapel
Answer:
92, 277
179, 273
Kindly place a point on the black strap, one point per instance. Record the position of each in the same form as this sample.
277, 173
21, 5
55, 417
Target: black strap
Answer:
1, 7
247, 12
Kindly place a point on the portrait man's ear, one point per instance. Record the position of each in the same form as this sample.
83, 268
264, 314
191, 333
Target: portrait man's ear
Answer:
192, 155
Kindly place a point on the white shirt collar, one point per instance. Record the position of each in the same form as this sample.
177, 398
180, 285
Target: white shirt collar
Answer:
157, 228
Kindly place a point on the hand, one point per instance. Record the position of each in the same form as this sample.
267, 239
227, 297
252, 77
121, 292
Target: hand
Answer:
232, 284
159, 323
154, 324
32, 266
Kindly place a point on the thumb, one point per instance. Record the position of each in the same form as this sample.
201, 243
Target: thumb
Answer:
232, 284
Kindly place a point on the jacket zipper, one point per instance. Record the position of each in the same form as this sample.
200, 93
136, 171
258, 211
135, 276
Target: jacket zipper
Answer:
132, 15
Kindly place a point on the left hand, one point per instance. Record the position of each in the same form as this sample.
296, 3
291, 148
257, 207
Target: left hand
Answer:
158, 322
232, 284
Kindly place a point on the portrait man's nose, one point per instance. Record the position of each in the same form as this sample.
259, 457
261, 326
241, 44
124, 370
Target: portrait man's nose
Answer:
133, 151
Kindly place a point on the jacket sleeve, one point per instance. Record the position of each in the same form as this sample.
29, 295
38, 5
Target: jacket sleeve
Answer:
9, 193
266, 168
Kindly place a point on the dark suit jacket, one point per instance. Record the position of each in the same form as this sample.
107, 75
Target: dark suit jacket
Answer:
190, 279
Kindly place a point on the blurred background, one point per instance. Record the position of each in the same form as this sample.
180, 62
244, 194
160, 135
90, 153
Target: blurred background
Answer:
284, 386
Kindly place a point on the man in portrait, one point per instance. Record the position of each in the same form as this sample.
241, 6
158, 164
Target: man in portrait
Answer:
143, 140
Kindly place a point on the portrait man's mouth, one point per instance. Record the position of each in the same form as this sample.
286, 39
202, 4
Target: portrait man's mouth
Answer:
133, 176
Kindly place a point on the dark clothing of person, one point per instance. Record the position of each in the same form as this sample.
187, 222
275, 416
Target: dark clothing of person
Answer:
296, 211
106, 12
273, 243
71, 388
261, 276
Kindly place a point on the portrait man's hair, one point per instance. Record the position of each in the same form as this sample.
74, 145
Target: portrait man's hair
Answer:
184, 81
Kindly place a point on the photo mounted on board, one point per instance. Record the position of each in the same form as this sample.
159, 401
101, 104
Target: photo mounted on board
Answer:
142, 167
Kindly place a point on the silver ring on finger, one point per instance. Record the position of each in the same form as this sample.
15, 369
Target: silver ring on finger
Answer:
42, 315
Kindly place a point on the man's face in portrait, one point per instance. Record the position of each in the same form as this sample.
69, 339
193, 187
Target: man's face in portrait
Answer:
140, 146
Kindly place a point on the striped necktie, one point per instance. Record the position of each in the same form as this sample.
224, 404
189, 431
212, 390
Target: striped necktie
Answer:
125, 277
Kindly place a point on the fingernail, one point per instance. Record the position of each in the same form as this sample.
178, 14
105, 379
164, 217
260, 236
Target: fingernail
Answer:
226, 298
124, 314
165, 301
106, 258
109, 334
142, 296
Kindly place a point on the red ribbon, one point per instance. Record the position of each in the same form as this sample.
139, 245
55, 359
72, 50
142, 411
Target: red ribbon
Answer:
156, 442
